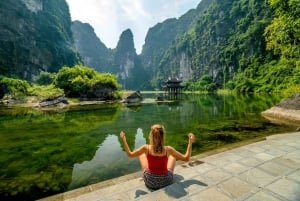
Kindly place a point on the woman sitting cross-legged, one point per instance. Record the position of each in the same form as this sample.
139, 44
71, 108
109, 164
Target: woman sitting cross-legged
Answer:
157, 160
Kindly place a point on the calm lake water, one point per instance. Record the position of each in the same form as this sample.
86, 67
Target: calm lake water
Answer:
47, 152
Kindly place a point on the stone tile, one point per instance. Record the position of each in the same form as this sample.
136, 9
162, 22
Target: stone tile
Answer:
237, 188
294, 144
295, 176
93, 196
162, 194
294, 155
286, 188
264, 156
77, 192
218, 161
120, 188
263, 171
211, 194
286, 148
235, 168
244, 153
194, 185
274, 168
215, 176
116, 196
262, 196
205, 167
275, 152
257, 177
100, 185
251, 162
148, 198
293, 164
138, 193
188, 173
172, 192
232, 156
255, 148
134, 183
266, 147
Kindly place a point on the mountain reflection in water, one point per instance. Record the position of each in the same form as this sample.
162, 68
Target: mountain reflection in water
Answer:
107, 157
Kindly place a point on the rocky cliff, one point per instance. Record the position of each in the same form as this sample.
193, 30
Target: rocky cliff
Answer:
127, 64
225, 38
161, 37
94, 53
35, 35
122, 61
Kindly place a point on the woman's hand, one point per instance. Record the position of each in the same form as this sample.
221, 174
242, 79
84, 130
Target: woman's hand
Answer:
122, 135
191, 137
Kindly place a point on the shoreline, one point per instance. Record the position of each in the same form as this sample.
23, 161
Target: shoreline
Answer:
276, 114
286, 112
282, 115
180, 169
194, 160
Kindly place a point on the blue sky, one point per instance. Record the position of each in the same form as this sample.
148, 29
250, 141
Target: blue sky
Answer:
110, 18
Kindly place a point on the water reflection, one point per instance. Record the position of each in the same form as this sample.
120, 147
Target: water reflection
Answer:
108, 156
44, 153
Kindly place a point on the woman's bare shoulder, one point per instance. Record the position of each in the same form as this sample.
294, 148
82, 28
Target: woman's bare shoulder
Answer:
145, 147
170, 148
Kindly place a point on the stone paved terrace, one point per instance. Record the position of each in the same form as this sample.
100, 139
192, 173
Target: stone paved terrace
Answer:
267, 170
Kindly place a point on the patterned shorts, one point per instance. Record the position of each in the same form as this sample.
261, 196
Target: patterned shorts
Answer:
155, 182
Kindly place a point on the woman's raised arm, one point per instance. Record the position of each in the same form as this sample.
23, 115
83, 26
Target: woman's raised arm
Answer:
135, 153
187, 155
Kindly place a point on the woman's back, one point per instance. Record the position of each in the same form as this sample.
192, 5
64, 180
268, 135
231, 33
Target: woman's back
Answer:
157, 163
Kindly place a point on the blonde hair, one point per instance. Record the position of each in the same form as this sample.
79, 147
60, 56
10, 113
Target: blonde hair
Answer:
157, 138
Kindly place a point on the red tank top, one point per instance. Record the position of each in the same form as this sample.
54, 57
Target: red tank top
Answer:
157, 164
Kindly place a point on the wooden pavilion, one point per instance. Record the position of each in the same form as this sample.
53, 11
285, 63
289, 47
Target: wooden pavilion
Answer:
172, 86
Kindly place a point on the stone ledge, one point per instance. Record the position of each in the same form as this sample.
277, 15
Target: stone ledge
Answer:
282, 115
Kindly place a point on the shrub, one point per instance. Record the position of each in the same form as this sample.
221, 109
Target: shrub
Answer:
82, 81
45, 91
45, 78
15, 87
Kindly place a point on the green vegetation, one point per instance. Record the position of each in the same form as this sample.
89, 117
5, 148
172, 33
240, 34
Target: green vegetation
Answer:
280, 72
205, 83
43, 42
44, 91
20, 89
81, 81
45, 78
74, 82
14, 88
39, 150
245, 46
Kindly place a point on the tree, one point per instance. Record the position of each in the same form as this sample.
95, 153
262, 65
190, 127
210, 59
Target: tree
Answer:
283, 34
85, 82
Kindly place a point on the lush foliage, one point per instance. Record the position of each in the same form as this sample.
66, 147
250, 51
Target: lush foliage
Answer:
283, 34
248, 46
279, 73
44, 91
31, 42
205, 83
77, 81
160, 38
14, 88
45, 78
245, 45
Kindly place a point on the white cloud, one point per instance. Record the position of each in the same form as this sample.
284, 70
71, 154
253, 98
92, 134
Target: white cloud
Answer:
110, 18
